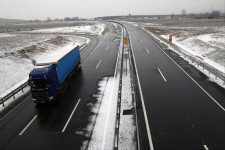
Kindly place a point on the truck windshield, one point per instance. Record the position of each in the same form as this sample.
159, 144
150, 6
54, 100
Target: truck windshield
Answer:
40, 83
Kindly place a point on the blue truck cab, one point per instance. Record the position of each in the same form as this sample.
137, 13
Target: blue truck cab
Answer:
46, 79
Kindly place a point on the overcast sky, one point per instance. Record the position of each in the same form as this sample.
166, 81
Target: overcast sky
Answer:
41, 9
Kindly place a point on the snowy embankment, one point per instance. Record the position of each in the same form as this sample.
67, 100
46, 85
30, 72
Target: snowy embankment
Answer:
17, 50
87, 29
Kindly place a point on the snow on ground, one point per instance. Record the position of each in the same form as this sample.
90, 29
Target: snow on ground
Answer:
127, 128
102, 125
17, 51
5, 35
200, 52
97, 28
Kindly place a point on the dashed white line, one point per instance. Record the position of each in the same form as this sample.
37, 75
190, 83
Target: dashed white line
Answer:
28, 125
162, 74
98, 64
141, 40
107, 47
71, 116
206, 148
189, 76
147, 50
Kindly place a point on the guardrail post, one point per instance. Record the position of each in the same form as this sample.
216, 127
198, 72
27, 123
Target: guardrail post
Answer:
3, 104
13, 95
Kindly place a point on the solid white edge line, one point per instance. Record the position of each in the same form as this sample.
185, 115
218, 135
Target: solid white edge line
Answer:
98, 64
206, 148
161, 74
110, 101
28, 125
143, 104
147, 50
189, 76
71, 116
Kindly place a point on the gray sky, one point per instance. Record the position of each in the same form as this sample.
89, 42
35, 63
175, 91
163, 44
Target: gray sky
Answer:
41, 9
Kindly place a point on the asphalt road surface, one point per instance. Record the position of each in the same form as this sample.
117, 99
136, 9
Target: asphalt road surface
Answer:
179, 114
53, 126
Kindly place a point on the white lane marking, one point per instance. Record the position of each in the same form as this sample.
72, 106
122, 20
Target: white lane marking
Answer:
162, 74
107, 47
28, 125
143, 104
189, 76
71, 116
98, 64
110, 101
147, 50
90, 53
205, 146
141, 40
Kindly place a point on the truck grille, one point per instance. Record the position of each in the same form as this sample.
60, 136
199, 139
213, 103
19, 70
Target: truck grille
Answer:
41, 95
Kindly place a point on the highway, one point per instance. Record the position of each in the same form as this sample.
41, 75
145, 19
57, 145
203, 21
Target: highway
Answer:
176, 112
53, 126
177, 107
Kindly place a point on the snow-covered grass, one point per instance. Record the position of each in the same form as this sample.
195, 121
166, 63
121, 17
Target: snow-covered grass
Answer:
97, 28
199, 51
5, 35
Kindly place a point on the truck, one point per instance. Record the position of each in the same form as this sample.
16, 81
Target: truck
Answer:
47, 79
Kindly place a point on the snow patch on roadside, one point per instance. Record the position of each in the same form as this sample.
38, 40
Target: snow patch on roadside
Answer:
197, 52
2, 35
95, 130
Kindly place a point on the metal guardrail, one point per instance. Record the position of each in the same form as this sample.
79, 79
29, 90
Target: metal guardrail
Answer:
13, 93
134, 109
118, 108
134, 101
210, 70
